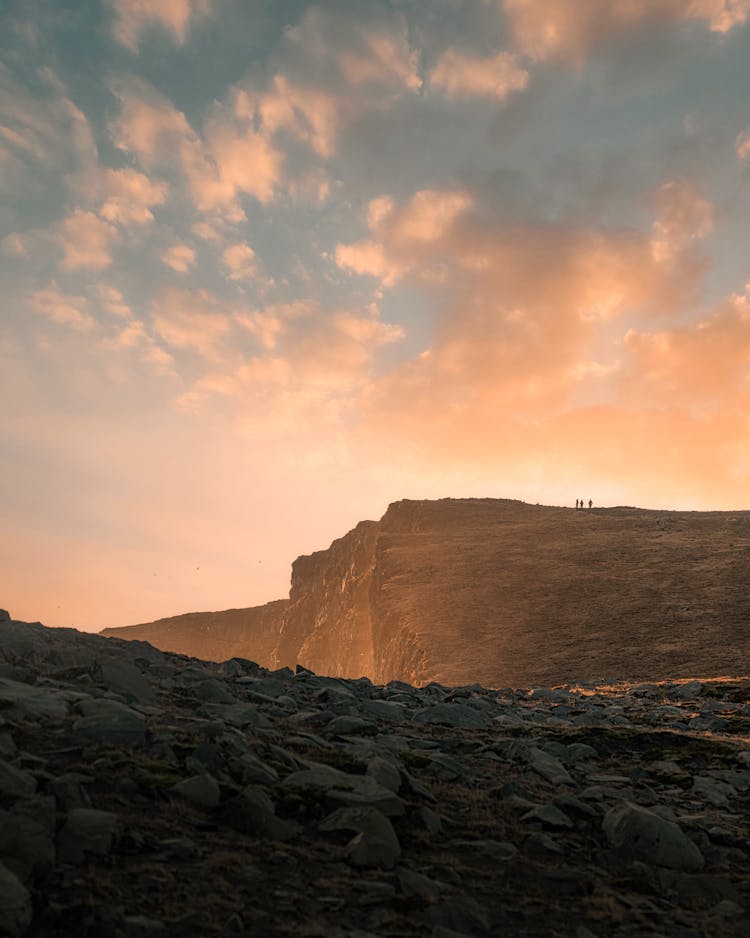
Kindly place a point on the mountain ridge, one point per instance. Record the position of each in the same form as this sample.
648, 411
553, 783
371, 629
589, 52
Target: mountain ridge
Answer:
501, 592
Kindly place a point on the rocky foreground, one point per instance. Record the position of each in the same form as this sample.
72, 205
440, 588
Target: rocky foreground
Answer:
148, 794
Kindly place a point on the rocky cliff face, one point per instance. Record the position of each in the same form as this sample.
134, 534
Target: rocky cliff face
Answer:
505, 593
214, 636
326, 625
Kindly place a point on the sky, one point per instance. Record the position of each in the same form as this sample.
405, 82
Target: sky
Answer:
269, 265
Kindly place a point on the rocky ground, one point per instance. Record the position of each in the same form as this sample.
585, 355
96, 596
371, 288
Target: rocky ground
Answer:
148, 794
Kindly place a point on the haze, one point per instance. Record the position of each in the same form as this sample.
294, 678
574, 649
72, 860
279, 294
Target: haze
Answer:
269, 266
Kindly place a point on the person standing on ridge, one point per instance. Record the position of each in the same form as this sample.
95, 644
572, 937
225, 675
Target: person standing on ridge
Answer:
590, 503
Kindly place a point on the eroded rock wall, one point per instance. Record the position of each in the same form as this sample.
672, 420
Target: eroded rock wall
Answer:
327, 624
215, 636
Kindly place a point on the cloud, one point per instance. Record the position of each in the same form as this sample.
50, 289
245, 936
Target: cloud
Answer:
41, 131
85, 240
63, 308
129, 196
132, 17
113, 301
683, 216
180, 257
230, 159
742, 144
423, 220
332, 69
462, 76
572, 29
188, 320
700, 367
240, 261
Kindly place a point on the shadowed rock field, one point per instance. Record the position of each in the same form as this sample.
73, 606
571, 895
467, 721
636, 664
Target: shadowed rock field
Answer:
501, 592
144, 793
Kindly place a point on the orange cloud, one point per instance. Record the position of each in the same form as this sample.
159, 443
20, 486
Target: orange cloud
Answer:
188, 320
180, 257
231, 158
130, 196
132, 17
240, 261
459, 75
683, 216
63, 308
86, 240
571, 29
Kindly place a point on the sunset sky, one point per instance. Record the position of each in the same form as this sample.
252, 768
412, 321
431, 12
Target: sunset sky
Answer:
268, 265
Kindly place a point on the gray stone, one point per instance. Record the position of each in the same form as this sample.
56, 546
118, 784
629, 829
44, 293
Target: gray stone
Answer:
15, 783
344, 790
250, 770
461, 914
201, 790
15, 904
351, 726
497, 850
426, 819
375, 842
86, 831
453, 714
30, 702
689, 691
124, 678
550, 816
415, 884
252, 812
385, 773
636, 833
69, 790
26, 845
107, 721
548, 766
385, 710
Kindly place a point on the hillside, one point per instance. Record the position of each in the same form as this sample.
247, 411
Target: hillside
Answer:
215, 636
503, 593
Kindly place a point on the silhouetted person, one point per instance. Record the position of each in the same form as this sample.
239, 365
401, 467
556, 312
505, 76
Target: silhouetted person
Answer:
576, 503
590, 503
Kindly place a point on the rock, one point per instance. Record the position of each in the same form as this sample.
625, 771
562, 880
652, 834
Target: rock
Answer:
4, 615
15, 905
29, 702
344, 790
375, 842
461, 914
125, 678
86, 831
425, 818
107, 721
69, 790
26, 845
351, 726
636, 833
250, 770
548, 766
549, 816
385, 773
689, 691
201, 790
252, 812
453, 714
415, 884
15, 783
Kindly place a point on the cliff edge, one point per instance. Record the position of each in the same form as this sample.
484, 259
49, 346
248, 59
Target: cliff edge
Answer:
503, 593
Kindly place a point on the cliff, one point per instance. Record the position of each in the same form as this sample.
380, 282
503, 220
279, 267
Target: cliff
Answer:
214, 636
505, 593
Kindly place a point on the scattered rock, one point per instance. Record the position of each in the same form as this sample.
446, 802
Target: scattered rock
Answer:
636, 833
